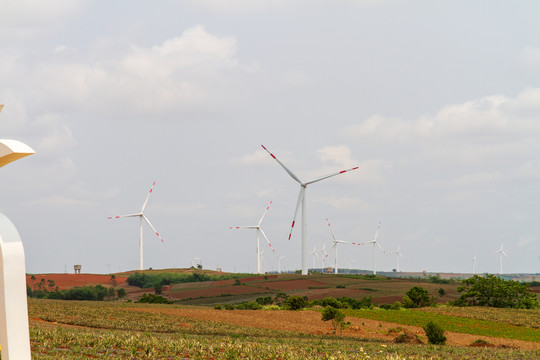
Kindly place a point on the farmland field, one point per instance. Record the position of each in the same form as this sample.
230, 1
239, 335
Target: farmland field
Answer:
127, 330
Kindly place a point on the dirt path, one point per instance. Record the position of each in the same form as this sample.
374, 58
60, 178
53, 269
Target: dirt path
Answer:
309, 321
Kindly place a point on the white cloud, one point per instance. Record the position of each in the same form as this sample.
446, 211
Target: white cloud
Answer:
478, 178
239, 7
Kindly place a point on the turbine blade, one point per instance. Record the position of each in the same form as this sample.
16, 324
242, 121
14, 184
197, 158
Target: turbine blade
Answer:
153, 228
120, 216
330, 227
268, 241
505, 254
264, 214
330, 175
377, 233
300, 197
283, 166
148, 197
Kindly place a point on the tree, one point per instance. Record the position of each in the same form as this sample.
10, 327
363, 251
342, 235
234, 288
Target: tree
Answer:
417, 297
434, 333
121, 293
493, 291
337, 316
295, 302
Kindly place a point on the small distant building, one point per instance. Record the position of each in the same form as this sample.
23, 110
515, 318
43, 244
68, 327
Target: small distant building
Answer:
329, 270
218, 269
77, 269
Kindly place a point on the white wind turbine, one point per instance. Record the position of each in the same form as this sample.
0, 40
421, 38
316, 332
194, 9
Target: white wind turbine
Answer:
375, 242
302, 201
334, 246
323, 256
474, 264
259, 232
398, 255
141, 218
314, 253
279, 263
501, 253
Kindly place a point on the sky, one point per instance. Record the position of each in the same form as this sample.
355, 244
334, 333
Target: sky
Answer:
437, 103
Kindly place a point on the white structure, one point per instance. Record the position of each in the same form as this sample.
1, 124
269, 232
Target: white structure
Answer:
141, 218
259, 232
279, 263
474, 265
302, 201
334, 246
398, 255
374, 242
314, 253
14, 334
501, 253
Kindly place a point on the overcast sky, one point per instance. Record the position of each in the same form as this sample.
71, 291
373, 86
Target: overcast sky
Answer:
438, 103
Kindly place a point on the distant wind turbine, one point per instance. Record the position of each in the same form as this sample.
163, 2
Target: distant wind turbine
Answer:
375, 242
398, 255
259, 232
314, 253
334, 246
279, 263
302, 202
474, 265
501, 253
141, 218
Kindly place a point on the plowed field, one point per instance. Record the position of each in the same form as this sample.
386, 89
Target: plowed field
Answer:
310, 322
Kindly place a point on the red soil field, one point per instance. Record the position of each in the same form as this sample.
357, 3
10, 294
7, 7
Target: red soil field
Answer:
292, 284
216, 291
310, 322
66, 281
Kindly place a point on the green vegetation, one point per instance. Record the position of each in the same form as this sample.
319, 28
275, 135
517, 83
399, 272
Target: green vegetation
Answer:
120, 331
435, 333
417, 297
491, 290
94, 293
147, 280
466, 325
337, 316
153, 299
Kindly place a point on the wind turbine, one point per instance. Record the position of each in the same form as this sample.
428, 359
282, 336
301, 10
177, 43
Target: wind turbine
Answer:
474, 264
193, 261
259, 232
314, 253
302, 201
398, 255
374, 242
279, 263
324, 255
501, 253
141, 218
334, 246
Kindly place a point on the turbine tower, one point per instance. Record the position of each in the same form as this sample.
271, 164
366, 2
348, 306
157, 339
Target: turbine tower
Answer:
374, 242
279, 263
302, 202
398, 255
501, 253
259, 232
141, 218
474, 265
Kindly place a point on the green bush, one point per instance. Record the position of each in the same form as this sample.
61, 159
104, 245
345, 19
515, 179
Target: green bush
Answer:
217, 307
434, 333
153, 299
295, 303
252, 305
